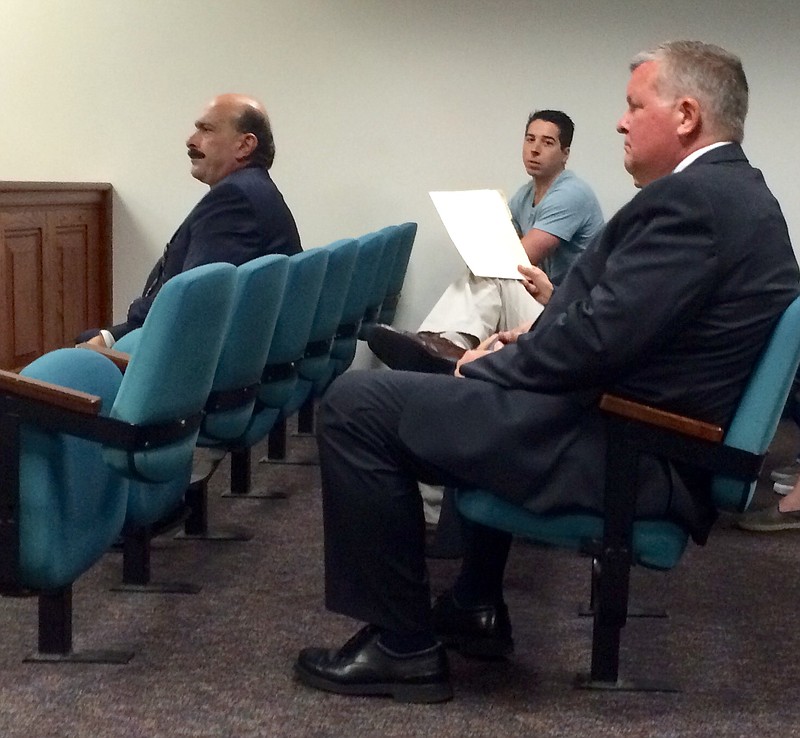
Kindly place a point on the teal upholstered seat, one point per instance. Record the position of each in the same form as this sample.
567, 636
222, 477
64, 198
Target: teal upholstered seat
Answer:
259, 293
288, 347
393, 241
278, 345
260, 285
169, 377
68, 515
367, 263
753, 427
657, 544
62, 506
375, 252
316, 362
73, 464
408, 232
173, 361
293, 328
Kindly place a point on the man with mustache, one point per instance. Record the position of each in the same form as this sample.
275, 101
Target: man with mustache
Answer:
242, 217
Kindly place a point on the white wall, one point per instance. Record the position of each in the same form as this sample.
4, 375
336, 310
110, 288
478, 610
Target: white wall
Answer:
373, 103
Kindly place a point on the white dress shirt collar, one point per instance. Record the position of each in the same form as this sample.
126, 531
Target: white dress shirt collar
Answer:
697, 154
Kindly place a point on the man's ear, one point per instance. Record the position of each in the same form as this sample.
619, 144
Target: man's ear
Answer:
689, 116
248, 145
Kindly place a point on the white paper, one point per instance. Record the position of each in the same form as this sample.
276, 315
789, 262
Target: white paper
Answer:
479, 224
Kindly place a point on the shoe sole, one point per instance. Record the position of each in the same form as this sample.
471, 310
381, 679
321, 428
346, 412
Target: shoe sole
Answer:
400, 692
769, 527
403, 353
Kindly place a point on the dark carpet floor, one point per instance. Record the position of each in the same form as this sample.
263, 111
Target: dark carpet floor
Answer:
218, 663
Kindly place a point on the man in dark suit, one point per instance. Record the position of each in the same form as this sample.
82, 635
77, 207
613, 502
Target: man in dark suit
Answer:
242, 217
670, 304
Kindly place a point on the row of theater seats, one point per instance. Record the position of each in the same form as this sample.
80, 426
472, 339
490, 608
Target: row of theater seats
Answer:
94, 447
97, 446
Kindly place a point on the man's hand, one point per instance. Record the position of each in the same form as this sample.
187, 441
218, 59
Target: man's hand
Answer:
471, 355
511, 336
536, 283
487, 346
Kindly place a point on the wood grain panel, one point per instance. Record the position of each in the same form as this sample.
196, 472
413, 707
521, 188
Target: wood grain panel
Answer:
23, 237
55, 265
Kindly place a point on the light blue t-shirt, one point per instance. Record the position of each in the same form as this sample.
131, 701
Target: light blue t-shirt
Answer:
569, 211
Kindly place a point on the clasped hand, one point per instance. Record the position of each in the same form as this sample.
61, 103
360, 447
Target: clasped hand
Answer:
538, 286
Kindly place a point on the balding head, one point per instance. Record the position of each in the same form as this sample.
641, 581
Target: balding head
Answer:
235, 104
233, 132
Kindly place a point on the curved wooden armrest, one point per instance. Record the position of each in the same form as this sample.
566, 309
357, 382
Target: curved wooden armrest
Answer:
52, 394
120, 358
661, 418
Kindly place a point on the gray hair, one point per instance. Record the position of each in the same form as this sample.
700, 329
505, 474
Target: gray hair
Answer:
708, 73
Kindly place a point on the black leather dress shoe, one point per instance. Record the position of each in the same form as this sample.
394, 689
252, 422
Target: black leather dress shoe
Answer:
414, 352
363, 666
482, 632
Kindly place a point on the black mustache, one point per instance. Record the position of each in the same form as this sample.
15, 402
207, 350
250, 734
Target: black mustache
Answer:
195, 154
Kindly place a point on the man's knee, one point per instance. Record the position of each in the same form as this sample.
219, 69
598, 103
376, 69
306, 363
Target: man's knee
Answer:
336, 397
363, 398
347, 397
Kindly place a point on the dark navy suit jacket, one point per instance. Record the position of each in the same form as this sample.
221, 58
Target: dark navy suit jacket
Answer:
671, 304
241, 218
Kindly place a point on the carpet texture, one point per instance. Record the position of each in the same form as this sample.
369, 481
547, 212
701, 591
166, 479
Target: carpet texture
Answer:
219, 663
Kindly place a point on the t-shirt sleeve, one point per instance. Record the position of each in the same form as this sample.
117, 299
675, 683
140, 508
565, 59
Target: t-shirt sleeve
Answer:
563, 210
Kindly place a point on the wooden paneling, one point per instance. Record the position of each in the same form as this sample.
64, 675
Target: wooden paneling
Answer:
55, 265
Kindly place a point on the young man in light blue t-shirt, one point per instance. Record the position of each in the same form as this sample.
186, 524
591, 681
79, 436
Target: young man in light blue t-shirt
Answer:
556, 214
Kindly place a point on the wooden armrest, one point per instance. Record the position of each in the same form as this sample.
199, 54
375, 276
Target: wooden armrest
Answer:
120, 358
53, 394
661, 418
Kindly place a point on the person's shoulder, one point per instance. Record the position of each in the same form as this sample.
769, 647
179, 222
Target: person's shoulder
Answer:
251, 185
247, 178
671, 190
703, 171
727, 153
523, 192
570, 187
727, 161
661, 188
568, 180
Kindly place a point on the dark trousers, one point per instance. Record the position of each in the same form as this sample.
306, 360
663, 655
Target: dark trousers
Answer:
375, 568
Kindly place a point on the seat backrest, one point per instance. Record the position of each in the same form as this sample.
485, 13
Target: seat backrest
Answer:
303, 286
169, 376
380, 284
317, 363
260, 285
338, 274
756, 420
370, 252
292, 330
343, 350
408, 232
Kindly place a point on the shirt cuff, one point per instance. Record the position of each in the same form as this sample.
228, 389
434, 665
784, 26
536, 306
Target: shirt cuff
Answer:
108, 338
